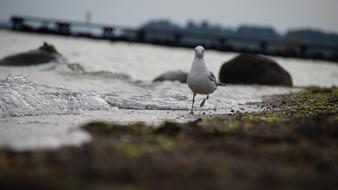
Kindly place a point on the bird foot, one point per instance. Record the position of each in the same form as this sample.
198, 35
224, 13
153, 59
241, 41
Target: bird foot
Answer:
202, 103
191, 112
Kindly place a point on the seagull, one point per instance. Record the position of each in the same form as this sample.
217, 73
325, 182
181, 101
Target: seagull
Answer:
200, 79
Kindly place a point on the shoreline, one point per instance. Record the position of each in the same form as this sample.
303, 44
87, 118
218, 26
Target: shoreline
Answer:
293, 144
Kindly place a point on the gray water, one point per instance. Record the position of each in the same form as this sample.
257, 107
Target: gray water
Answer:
43, 106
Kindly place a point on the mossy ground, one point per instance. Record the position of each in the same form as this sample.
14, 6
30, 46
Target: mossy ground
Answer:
292, 145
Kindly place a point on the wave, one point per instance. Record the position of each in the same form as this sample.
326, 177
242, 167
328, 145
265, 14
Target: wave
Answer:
21, 97
161, 96
77, 70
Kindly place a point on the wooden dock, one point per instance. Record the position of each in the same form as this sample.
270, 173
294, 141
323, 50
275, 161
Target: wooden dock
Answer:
220, 42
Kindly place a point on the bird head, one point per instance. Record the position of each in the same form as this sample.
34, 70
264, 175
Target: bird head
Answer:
199, 51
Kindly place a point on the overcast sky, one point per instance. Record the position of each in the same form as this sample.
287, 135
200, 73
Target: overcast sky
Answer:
281, 14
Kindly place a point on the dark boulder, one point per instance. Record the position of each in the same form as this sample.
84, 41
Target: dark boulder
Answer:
43, 54
180, 76
254, 69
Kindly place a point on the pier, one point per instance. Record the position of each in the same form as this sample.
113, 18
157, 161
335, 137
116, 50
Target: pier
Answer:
176, 38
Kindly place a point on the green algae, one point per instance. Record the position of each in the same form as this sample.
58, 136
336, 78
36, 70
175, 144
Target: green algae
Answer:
318, 101
130, 150
314, 101
270, 118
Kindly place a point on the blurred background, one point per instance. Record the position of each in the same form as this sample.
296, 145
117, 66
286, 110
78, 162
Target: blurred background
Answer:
300, 28
281, 15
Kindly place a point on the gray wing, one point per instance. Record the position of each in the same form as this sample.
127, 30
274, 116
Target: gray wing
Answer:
212, 77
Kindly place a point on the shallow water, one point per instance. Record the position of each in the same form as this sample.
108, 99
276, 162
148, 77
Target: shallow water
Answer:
42, 106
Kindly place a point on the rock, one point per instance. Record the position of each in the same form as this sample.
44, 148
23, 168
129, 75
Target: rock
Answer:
43, 54
254, 69
180, 76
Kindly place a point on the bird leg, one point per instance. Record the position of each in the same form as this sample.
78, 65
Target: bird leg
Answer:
192, 106
203, 101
